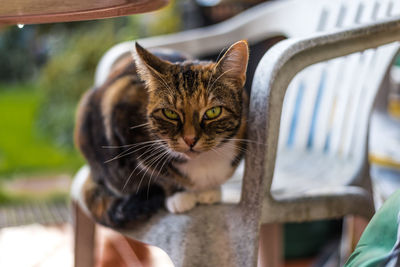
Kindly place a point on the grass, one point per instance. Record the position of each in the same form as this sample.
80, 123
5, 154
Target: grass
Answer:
12, 198
22, 149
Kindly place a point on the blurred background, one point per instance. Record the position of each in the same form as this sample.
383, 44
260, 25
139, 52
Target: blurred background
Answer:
44, 69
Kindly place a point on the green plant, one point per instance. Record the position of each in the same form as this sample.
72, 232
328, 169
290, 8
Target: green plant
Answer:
22, 148
66, 76
70, 71
17, 56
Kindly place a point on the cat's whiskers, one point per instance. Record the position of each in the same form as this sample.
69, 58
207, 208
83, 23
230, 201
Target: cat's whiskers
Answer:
146, 160
234, 146
237, 147
164, 155
127, 180
151, 154
130, 176
220, 53
156, 158
216, 151
212, 85
140, 125
213, 69
128, 152
123, 146
137, 166
158, 162
152, 157
133, 145
166, 159
222, 152
147, 143
209, 79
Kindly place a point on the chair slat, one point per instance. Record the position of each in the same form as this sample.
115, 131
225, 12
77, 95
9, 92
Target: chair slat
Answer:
337, 114
335, 14
345, 16
311, 82
288, 109
356, 102
380, 10
395, 8
326, 21
324, 117
342, 135
384, 9
352, 10
323, 102
341, 102
381, 58
303, 97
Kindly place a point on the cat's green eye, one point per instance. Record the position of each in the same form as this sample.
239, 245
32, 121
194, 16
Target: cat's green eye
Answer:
172, 115
212, 113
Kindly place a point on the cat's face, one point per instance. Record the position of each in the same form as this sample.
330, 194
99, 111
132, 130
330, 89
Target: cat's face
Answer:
195, 106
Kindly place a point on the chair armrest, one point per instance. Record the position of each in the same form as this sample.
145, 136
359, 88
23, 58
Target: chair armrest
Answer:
273, 74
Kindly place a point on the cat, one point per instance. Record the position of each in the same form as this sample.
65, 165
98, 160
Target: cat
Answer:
162, 131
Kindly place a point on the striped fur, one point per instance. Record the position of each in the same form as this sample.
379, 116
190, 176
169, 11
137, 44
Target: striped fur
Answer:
138, 156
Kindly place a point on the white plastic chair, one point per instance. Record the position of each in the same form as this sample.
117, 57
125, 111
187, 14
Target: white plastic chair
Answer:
320, 169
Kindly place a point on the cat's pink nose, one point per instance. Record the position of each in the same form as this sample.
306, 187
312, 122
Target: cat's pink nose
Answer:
190, 140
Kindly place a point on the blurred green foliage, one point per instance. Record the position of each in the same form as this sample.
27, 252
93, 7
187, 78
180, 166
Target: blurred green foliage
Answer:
70, 71
44, 69
66, 76
22, 149
10, 197
17, 59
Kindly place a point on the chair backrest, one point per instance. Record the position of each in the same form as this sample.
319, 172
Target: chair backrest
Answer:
327, 105
277, 18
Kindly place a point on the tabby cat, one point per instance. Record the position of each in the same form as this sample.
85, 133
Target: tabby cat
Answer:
162, 130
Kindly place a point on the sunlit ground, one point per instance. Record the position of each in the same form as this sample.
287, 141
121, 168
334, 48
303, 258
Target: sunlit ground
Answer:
36, 245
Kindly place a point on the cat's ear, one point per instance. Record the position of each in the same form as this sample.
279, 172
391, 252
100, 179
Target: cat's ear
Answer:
148, 65
233, 64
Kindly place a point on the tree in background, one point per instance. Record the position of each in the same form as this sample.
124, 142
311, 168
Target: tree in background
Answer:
70, 70
44, 70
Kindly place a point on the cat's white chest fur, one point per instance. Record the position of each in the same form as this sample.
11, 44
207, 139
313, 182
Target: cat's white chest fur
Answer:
210, 169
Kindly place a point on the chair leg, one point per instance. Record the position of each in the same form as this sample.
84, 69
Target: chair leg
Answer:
84, 232
353, 227
270, 251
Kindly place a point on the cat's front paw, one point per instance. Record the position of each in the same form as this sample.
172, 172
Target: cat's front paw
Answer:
209, 197
180, 202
